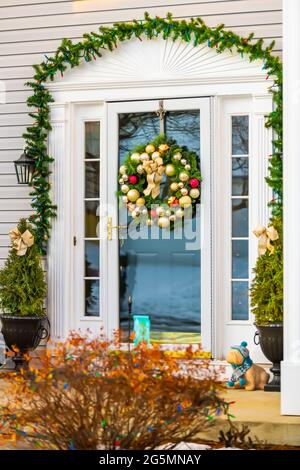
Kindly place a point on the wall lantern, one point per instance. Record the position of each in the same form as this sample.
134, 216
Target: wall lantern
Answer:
141, 328
24, 167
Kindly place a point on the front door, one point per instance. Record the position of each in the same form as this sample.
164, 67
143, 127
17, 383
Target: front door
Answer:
167, 274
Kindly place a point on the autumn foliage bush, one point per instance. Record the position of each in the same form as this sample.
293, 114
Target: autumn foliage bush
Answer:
89, 394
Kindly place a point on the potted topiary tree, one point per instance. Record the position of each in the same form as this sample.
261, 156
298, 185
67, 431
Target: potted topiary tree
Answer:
22, 295
267, 299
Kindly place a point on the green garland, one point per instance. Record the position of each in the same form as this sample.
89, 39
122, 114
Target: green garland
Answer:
69, 55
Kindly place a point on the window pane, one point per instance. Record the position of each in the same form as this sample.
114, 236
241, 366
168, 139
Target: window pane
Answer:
92, 170
136, 128
240, 176
240, 135
92, 258
184, 127
240, 259
240, 218
92, 140
92, 298
91, 219
240, 309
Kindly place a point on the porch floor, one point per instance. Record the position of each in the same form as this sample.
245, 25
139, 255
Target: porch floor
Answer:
260, 411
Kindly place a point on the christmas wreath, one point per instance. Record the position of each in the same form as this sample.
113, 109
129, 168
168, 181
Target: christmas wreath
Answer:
158, 180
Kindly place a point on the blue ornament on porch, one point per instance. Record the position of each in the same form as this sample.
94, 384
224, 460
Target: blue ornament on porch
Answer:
141, 328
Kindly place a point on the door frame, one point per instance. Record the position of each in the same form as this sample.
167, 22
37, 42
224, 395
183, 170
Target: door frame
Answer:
204, 106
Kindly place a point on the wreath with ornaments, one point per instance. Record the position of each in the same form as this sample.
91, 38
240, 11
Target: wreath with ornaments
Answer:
159, 180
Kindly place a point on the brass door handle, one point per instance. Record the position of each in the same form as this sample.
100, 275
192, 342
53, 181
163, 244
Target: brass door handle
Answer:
110, 227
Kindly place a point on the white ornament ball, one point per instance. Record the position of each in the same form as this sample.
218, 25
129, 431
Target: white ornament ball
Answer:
145, 211
155, 155
184, 191
177, 156
163, 222
183, 161
183, 176
135, 157
122, 170
187, 167
144, 156
124, 188
172, 218
125, 199
168, 213
125, 177
179, 213
185, 201
180, 185
140, 169
121, 181
194, 193
160, 211
133, 195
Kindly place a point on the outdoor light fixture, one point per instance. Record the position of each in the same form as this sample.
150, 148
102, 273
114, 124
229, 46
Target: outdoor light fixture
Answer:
24, 167
141, 328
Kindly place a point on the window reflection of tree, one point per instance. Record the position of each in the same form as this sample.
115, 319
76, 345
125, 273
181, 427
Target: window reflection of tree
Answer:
240, 176
136, 128
184, 127
240, 135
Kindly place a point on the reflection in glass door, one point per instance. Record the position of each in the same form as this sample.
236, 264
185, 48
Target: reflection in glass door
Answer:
163, 274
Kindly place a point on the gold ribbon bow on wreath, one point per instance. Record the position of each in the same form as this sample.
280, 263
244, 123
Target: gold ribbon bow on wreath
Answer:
21, 241
155, 170
265, 236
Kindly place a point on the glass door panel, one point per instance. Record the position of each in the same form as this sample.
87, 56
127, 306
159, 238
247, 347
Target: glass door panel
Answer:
161, 274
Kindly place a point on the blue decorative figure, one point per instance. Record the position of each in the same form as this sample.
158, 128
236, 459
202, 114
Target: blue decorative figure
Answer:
141, 328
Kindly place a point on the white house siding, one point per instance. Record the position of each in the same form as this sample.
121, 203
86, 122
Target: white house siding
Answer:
31, 28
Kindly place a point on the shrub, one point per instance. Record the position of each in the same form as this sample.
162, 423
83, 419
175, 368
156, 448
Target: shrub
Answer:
90, 395
267, 286
22, 281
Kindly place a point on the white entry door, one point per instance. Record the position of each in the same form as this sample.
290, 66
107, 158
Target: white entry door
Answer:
168, 276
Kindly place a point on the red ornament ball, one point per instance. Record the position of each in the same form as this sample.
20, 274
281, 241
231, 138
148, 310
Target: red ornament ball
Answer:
153, 213
194, 183
133, 179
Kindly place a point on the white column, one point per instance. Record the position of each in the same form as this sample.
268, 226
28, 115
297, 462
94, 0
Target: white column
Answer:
290, 367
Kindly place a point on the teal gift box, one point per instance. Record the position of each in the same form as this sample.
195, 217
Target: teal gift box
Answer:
141, 328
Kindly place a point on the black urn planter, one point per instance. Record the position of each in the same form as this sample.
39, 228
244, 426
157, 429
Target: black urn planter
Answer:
24, 334
271, 343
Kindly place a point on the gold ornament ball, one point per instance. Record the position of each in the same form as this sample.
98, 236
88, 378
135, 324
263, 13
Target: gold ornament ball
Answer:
183, 161
155, 155
174, 187
177, 156
150, 222
150, 148
124, 188
170, 170
144, 156
135, 157
179, 213
172, 218
121, 181
180, 185
163, 147
140, 169
140, 201
194, 193
163, 222
187, 167
122, 170
125, 177
183, 176
184, 191
133, 195
185, 201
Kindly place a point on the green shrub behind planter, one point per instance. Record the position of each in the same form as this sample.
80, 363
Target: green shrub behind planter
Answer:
22, 281
267, 286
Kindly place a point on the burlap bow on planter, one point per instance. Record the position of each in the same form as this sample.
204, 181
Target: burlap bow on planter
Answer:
265, 236
21, 241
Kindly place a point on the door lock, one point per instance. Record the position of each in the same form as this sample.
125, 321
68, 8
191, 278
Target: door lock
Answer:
110, 227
